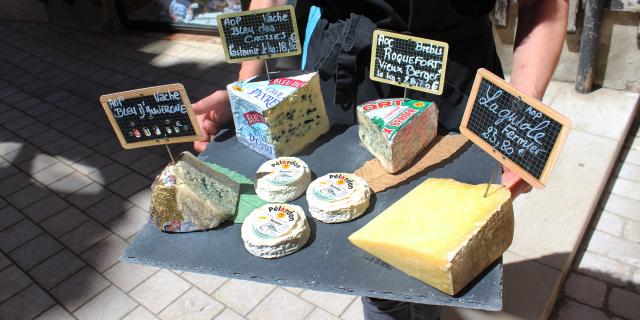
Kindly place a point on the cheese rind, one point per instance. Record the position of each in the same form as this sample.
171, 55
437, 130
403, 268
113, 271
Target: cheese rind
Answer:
338, 197
282, 179
275, 230
443, 232
191, 196
278, 117
396, 130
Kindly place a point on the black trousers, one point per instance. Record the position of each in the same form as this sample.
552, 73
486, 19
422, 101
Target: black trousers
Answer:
382, 309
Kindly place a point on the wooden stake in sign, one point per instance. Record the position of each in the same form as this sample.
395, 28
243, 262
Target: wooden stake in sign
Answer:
151, 116
259, 34
517, 130
409, 62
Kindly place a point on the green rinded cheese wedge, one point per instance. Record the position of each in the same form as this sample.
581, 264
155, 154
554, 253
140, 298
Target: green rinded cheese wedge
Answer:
443, 232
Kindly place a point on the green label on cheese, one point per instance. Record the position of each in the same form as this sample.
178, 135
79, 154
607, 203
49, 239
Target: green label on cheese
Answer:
274, 222
390, 115
333, 187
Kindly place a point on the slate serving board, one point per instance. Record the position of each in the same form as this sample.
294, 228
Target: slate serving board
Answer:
328, 262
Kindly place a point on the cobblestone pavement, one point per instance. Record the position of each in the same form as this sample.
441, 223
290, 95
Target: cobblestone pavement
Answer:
71, 198
605, 280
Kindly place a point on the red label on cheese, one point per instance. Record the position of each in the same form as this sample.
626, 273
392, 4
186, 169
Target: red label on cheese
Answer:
289, 82
253, 117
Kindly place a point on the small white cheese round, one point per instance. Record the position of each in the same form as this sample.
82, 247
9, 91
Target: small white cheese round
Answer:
275, 230
282, 179
338, 197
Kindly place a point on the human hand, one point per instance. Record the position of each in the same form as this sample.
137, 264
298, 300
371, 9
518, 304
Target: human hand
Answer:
213, 113
516, 185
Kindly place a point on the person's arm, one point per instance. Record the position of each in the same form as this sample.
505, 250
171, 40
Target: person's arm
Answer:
214, 112
540, 34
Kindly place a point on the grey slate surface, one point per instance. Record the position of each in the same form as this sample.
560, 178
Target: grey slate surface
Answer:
328, 262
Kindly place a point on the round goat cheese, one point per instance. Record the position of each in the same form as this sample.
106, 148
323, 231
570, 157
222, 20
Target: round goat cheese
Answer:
338, 197
275, 230
282, 179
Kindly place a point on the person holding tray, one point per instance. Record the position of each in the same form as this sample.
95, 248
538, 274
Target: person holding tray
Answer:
337, 44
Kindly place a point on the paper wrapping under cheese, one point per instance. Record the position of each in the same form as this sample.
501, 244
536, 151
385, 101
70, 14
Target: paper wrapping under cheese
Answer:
443, 232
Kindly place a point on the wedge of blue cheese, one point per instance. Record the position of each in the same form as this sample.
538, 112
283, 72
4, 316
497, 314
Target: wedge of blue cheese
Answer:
396, 130
278, 117
191, 196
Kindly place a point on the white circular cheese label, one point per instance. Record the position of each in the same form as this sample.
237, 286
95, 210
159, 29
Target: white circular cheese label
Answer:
334, 187
282, 171
273, 222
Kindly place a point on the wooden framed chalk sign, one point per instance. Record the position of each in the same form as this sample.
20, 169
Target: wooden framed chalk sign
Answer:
151, 116
517, 130
259, 34
408, 61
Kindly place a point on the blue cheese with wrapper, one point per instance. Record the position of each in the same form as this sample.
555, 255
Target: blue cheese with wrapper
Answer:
279, 116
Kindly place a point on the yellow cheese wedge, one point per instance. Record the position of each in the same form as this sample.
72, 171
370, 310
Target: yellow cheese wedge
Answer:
443, 232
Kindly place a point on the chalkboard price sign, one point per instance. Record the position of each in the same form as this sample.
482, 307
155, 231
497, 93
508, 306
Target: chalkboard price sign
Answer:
151, 116
409, 62
259, 34
517, 130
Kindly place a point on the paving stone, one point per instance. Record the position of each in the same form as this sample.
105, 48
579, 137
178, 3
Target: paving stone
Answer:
32, 130
96, 136
108, 147
110, 304
35, 251
586, 290
228, 314
56, 313
15, 98
160, 290
74, 154
603, 268
142, 199
281, 304
92, 163
624, 303
128, 275
13, 281
571, 310
332, 302
7, 169
79, 288
630, 172
319, 314
296, 291
53, 173
615, 248
194, 304
9, 216
45, 207
84, 236
59, 145
46, 137
105, 253
140, 313
18, 234
27, 304
207, 283
81, 129
108, 208
56, 269
64, 221
627, 189
109, 174
632, 231
71, 183
635, 279
233, 294
149, 163
354, 311
89, 195
38, 162
129, 223
14, 183
9, 147
130, 184
28, 195
16, 124
4, 261
24, 154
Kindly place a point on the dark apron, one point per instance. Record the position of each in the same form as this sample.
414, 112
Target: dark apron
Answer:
341, 51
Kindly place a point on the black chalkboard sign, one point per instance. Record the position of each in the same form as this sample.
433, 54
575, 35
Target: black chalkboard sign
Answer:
407, 61
517, 130
259, 34
151, 116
